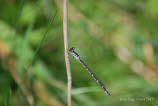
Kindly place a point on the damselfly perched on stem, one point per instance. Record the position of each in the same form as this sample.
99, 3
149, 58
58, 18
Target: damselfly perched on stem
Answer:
77, 57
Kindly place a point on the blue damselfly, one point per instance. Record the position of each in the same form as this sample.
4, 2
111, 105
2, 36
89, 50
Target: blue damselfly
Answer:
77, 57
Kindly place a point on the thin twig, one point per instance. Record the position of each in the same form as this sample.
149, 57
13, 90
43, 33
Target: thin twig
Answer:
65, 31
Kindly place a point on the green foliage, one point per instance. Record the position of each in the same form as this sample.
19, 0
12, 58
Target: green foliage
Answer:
116, 38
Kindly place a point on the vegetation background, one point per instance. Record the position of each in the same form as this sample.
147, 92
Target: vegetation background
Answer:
118, 39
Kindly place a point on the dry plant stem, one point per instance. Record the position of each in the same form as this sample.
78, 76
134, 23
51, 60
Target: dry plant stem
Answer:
65, 31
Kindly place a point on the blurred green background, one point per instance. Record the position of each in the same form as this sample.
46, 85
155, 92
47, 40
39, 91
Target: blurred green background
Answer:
118, 39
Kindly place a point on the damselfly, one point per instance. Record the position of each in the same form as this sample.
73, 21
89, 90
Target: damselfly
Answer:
77, 57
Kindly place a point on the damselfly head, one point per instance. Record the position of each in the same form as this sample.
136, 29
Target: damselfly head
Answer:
71, 49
